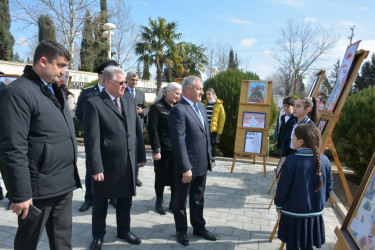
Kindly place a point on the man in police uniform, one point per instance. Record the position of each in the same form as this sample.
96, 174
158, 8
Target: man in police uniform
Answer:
87, 93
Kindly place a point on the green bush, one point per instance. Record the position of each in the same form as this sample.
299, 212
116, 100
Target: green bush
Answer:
227, 85
354, 134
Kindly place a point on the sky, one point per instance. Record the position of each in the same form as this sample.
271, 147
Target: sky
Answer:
252, 27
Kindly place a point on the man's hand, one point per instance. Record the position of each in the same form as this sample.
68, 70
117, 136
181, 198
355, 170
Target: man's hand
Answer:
22, 207
142, 164
139, 110
156, 156
98, 177
187, 176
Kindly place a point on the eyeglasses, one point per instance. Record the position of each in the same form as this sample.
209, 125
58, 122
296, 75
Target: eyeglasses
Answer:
119, 83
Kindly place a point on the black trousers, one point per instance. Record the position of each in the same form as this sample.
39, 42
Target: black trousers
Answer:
56, 217
88, 194
195, 191
99, 215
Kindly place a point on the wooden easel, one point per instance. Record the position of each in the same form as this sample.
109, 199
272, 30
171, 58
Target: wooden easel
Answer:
245, 106
333, 117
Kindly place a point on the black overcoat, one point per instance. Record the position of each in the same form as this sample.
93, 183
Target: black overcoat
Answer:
110, 143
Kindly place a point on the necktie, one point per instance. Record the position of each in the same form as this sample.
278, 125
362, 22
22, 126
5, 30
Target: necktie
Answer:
117, 105
50, 89
198, 113
132, 92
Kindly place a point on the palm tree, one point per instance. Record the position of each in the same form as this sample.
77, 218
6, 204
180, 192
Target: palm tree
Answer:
194, 59
157, 43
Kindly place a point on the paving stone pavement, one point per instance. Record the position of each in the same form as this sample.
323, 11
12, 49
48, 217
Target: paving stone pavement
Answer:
236, 209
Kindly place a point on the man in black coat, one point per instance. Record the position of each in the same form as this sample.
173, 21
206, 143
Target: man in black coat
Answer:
111, 128
86, 94
39, 150
140, 101
190, 136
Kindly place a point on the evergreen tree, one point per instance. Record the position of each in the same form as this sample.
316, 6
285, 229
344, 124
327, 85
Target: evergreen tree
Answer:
87, 49
325, 89
168, 74
101, 44
146, 70
367, 76
7, 40
231, 62
46, 28
236, 62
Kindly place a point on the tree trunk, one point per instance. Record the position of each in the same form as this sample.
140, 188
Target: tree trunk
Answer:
71, 34
159, 74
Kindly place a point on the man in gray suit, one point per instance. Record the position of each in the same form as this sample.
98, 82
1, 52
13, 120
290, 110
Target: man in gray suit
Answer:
190, 137
140, 101
111, 128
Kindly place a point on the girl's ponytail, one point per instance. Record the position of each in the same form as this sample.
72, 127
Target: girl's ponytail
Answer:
319, 166
310, 135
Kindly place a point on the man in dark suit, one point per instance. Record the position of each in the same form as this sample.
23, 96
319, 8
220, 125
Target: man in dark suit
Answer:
39, 150
190, 137
86, 94
111, 128
140, 101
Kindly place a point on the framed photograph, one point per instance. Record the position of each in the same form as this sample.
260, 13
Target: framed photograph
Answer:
253, 142
342, 77
254, 120
314, 86
257, 92
322, 125
360, 219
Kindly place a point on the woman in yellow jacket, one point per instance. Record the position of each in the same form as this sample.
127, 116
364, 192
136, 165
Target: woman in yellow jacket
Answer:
216, 119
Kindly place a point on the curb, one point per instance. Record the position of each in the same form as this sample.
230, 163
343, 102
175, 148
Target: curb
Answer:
339, 206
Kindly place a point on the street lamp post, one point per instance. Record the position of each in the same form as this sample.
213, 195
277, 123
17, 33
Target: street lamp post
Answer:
108, 34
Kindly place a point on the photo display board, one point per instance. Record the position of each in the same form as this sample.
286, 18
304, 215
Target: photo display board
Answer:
358, 228
253, 117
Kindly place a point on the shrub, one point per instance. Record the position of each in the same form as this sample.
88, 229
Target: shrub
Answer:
354, 134
227, 85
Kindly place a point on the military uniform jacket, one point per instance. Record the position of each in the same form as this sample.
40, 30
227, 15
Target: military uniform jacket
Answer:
85, 94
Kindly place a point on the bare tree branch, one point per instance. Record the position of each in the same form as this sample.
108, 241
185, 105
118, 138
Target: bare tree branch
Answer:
301, 45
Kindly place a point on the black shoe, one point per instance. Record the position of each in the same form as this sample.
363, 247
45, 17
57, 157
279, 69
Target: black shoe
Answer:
138, 183
182, 238
205, 234
85, 206
96, 244
159, 206
113, 202
130, 237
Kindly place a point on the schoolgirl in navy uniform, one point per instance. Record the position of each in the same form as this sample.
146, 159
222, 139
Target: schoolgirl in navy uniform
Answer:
304, 187
306, 113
